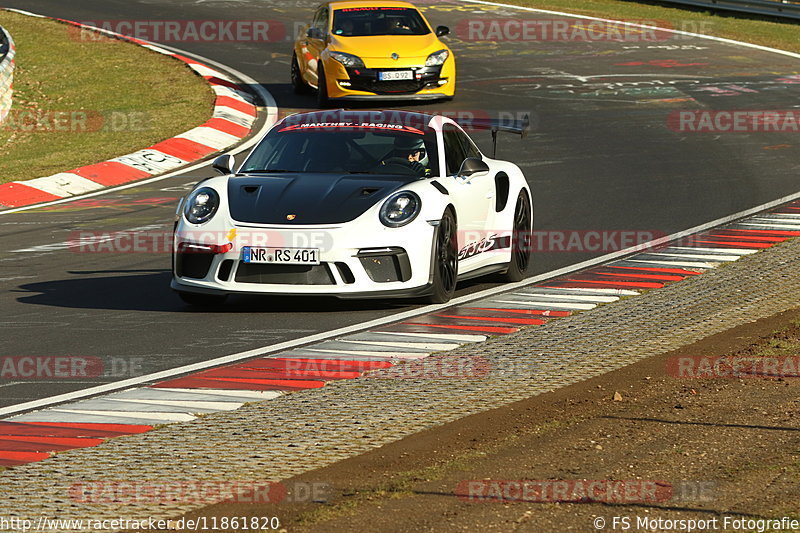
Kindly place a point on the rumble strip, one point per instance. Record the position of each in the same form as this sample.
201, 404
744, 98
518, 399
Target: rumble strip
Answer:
232, 120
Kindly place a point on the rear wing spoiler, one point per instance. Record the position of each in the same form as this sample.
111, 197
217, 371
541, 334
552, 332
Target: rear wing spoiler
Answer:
519, 127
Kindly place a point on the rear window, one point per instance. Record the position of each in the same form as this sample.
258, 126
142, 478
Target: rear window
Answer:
364, 21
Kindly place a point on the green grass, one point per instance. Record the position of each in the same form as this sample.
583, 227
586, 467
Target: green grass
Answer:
784, 36
118, 98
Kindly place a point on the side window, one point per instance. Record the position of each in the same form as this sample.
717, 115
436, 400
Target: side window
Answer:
321, 19
453, 149
316, 22
470, 150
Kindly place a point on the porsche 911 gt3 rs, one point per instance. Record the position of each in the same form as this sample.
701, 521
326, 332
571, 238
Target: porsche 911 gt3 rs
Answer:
368, 49
354, 204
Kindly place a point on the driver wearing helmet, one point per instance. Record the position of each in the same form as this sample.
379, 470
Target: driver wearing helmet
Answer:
410, 151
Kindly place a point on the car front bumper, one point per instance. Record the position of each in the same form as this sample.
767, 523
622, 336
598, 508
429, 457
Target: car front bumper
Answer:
438, 82
392, 262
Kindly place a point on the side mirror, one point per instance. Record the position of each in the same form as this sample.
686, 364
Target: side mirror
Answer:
472, 165
442, 30
314, 33
224, 164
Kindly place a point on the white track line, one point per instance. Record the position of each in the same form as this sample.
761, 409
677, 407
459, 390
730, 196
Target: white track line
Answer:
715, 258
422, 346
129, 415
255, 395
674, 264
203, 405
552, 306
725, 251
382, 354
557, 298
462, 338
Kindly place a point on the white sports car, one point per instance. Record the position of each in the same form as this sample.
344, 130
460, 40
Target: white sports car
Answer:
354, 204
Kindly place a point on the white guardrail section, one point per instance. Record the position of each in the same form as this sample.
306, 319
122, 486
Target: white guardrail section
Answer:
7, 53
775, 8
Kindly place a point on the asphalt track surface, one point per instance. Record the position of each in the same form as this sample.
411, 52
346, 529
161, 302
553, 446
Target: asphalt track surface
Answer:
601, 157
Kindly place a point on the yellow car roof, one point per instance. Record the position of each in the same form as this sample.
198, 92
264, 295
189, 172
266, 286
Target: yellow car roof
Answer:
368, 3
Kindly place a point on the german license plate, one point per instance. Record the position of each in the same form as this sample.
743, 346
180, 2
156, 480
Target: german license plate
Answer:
283, 256
391, 75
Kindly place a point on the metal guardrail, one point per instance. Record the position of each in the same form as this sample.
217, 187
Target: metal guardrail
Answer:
7, 53
773, 8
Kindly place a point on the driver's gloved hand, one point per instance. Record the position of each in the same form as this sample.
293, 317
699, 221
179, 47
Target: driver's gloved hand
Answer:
417, 167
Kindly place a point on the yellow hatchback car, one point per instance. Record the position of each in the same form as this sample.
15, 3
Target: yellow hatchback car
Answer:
360, 50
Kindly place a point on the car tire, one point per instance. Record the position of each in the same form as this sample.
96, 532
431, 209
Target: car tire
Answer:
299, 85
445, 260
202, 300
522, 233
322, 88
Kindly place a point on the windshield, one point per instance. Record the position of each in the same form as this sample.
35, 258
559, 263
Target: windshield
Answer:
346, 147
362, 21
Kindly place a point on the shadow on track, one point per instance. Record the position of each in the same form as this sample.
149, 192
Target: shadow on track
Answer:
284, 95
148, 290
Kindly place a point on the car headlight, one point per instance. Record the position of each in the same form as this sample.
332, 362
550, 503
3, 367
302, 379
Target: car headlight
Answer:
400, 209
348, 60
201, 205
437, 58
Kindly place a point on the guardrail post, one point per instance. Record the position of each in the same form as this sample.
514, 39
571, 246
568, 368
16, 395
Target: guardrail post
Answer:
775, 8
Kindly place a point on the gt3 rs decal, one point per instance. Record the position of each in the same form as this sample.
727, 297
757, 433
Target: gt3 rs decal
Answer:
490, 242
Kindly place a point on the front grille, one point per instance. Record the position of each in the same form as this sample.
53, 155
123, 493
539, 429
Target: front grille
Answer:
387, 87
284, 274
367, 80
